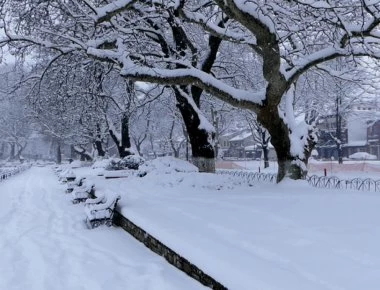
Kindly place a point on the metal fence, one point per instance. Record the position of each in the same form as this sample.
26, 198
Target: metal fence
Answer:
332, 182
367, 184
6, 173
251, 176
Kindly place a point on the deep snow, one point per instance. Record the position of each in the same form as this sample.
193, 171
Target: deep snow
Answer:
44, 244
263, 237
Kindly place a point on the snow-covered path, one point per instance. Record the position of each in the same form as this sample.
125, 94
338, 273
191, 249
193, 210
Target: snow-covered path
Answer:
44, 244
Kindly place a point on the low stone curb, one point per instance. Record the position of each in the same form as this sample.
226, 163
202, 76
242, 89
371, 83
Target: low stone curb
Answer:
171, 256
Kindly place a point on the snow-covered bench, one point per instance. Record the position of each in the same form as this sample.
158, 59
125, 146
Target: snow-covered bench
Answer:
100, 210
82, 193
79, 181
66, 175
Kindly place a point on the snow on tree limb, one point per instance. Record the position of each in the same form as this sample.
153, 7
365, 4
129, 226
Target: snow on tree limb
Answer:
195, 77
106, 12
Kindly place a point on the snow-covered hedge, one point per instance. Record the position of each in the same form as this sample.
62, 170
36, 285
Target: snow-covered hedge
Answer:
166, 165
129, 162
132, 162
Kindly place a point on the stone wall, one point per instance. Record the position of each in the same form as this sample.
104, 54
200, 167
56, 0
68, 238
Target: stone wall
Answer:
171, 256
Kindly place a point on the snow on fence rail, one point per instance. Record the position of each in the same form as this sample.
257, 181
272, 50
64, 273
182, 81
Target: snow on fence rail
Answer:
6, 173
251, 176
332, 182
367, 184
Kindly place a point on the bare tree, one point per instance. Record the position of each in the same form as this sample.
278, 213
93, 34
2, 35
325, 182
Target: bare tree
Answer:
259, 133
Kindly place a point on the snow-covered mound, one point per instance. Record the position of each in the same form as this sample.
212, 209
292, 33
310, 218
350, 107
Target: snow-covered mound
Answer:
101, 163
117, 173
132, 162
196, 181
363, 156
167, 164
129, 162
76, 164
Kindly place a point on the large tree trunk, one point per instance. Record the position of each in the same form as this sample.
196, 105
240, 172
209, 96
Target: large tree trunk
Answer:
201, 141
123, 145
99, 148
125, 139
203, 154
288, 165
98, 142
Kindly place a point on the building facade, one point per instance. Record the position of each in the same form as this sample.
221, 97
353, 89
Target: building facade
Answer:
360, 132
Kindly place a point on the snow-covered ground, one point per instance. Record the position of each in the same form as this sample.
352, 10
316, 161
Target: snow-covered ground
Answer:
288, 236
44, 244
249, 237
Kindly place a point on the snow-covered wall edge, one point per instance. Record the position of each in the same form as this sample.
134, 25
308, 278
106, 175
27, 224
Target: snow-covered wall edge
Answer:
170, 256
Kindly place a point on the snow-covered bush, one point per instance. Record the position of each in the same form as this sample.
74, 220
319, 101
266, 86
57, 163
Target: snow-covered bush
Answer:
129, 162
114, 164
132, 162
166, 165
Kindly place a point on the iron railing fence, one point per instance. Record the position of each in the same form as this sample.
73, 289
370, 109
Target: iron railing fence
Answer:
331, 182
251, 176
362, 184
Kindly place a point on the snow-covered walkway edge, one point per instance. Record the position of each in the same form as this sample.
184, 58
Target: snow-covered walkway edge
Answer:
171, 256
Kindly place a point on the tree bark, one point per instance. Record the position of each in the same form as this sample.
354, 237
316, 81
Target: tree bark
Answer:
265, 143
84, 155
203, 154
99, 148
265, 155
123, 145
59, 153
288, 165
98, 142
